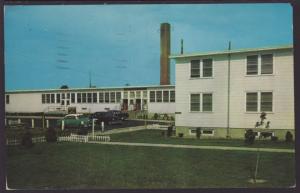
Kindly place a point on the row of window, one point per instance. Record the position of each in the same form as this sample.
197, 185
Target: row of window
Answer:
256, 65
255, 102
162, 96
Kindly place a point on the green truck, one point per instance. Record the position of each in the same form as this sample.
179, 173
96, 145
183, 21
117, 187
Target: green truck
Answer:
75, 121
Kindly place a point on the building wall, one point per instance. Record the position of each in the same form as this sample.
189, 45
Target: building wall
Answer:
280, 83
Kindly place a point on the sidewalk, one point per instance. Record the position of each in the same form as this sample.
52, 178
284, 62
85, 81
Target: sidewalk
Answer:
199, 147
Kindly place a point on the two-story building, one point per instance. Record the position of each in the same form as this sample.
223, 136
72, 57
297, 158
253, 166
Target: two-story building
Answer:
224, 93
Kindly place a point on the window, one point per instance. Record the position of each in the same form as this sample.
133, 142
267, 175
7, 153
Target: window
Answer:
195, 68
47, 98
267, 64
63, 96
152, 96
58, 98
68, 95
259, 102
52, 98
101, 97
207, 67
94, 97
112, 97
89, 97
72, 97
118, 96
144, 94
125, 95
132, 95
251, 99
201, 102
138, 94
6, 99
172, 96
166, 96
78, 97
83, 97
106, 96
158, 96
43, 98
252, 65
195, 102
266, 99
207, 102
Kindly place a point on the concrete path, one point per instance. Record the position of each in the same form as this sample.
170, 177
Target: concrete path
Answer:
197, 147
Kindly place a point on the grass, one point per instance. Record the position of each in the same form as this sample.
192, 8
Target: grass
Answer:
77, 166
155, 136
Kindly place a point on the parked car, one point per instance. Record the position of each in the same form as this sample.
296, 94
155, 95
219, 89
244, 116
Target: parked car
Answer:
108, 117
121, 114
75, 121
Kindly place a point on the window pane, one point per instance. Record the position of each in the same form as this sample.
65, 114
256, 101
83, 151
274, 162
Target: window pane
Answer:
118, 95
267, 64
152, 96
101, 97
195, 68
58, 98
72, 97
125, 95
207, 102
7, 99
47, 98
132, 95
112, 97
52, 98
158, 96
84, 97
252, 63
207, 68
266, 101
89, 97
195, 102
138, 94
94, 97
78, 97
166, 96
251, 102
172, 96
144, 94
107, 97
43, 98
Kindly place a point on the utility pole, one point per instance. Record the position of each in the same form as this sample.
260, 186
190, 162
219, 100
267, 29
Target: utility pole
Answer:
228, 91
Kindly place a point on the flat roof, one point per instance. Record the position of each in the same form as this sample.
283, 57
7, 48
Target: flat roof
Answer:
230, 51
90, 89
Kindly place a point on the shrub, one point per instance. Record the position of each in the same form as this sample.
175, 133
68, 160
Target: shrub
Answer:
198, 132
180, 134
51, 135
288, 137
155, 116
249, 137
170, 131
27, 140
274, 138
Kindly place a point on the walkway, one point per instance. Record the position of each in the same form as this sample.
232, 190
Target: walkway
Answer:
198, 147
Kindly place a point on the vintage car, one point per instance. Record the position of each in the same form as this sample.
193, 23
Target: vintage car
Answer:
75, 121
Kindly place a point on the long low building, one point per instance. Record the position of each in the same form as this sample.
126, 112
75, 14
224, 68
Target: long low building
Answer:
153, 99
224, 93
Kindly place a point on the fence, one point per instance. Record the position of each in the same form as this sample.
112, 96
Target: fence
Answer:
71, 138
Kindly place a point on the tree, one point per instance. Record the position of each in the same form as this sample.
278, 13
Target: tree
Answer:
64, 87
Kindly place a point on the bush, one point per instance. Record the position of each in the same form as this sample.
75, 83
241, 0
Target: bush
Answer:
198, 132
274, 138
170, 131
249, 137
27, 140
51, 135
155, 116
288, 137
180, 134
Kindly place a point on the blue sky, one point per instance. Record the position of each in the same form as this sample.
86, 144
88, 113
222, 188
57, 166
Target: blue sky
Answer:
52, 45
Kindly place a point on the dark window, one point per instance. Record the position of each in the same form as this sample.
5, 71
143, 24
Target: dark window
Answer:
195, 68
172, 96
83, 97
89, 97
52, 98
252, 65
195, 102
207, 102
266, 101
68, 95
166, 96
112, 97
94, 97
78, 97
58, 98
48, 98
267, 64
101, 97
118, 95
152, 96
107, 97
7, 99
251, 102
43, 98
207, 67
72, 97
63, 96
158, 96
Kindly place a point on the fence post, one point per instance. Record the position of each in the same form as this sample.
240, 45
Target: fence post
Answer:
102, 126
19, 121
47, 123
62, 125
93, 127
32, 123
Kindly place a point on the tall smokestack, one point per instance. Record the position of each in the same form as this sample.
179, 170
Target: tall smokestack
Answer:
164, 54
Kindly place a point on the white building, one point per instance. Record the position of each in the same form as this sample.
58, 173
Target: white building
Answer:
215, 97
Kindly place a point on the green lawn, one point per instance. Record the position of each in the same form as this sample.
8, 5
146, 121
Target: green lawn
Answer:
155, 136
74, 165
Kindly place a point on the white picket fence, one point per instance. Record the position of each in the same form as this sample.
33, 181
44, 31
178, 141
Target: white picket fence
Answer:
71, 138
